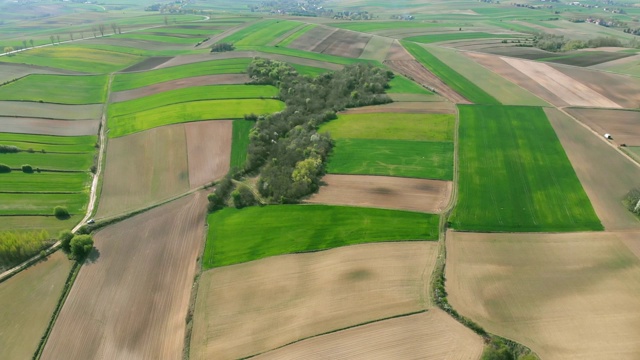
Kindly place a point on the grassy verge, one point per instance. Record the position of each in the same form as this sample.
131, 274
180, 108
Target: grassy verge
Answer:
240, 142
237, 236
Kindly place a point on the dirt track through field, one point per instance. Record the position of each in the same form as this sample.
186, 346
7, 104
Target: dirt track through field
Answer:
430, 335
419, 107
48, 126
400, 61
208, 150
222, 79
254, 307
624, 126
605, 174
430, 196
131, 301
567, 296
566, 88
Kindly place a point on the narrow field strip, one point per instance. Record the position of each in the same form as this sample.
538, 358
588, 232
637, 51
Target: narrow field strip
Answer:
42, 203
127, 81
296, 35
50, 181
237, 236
261, 33
192, 111
515, 175
58, 89
58, 144
195, 93
30, 109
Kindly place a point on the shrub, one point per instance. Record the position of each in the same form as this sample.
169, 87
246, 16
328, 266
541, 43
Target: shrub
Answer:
222, 47
65, 237
16, 247
27, 169
4, 169
243, 197
7, 149
81, 246
61, 212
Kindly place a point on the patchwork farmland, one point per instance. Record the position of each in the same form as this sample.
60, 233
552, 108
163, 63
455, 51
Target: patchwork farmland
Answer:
346, 180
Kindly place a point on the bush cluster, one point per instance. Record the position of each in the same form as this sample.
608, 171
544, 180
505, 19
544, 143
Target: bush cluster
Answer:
222, 47
8, 149
632, 200
77, 246
4, 169
16, 247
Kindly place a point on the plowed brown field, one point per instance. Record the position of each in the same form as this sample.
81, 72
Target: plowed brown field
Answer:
430, 196
208, 150
430, 335
567, 296
48, 126
312, 38
254, 307
624, 126
221, 79
343, 43
605, 174
143, 169
400, 61
131, 302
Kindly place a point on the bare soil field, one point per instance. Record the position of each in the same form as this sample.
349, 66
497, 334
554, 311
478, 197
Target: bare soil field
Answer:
312, 38
624, 126
250, 308
400, 61
147, 64
189, 59
143, 169
567, 88
624, 90
377, 48
344, 43
432, 107
208, 150
605, 174
48, 126
430, 196
220, 79
417, 98
50, 111
567, 296
10, 71
131, 300
430, 335
28, 300
502, 68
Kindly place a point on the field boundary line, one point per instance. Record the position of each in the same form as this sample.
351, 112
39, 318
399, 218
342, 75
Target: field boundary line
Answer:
339, 330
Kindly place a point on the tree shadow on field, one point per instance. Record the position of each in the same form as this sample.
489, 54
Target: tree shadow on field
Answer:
93, 256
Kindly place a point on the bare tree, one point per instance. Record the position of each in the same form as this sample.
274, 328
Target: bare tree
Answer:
101, 28
94, 31
71, 36
52, 38
31, 42
114, 26
24, 44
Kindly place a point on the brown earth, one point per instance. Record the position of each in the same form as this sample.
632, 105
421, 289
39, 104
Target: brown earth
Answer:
48, 126
27, 301
498, 65
417, 98
344, 43
624, 126
570, 90
605, 174
433, 107
147, 64
377, 48
254, 307
208, 150
400, 61
624, 90
50, 111
131, 297
144, 169
312, 38
430, 196
430, 335
220, 79
566, 296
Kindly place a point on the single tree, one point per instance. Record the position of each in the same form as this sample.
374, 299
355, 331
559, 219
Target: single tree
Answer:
101, 29
81, 246
61, 212
8, 49
24, 44
94, 31
65, 237
114, 27
52, 38
31, 42
27, 169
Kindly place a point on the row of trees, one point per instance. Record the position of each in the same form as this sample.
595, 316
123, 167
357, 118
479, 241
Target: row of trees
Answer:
77, 246
558, 43
16, 247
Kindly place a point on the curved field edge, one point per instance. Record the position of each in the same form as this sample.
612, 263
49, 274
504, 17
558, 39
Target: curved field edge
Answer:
515, 175
237, 236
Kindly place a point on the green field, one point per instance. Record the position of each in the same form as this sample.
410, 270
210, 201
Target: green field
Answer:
261, 33
41, 204
136, 80
515, 175
240, 142
123, 48
433, 38
456, 81
49, 143
401, 85
194, 93
75, 58
399, 126
369, 26
17, 181
193, 111
237, 236
417, 159
60, 89
49, 161
586, 58
309, 70
312, 55
295, 35
162, 39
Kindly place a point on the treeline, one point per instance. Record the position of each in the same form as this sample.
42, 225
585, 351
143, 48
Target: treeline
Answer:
558, 43
222, 47
16, 247
8, 149
285, 149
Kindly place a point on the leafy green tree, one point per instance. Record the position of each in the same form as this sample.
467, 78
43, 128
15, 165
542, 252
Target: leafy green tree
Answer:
61, 212
243, 197
27, 169
8, 49
4, 168
81, 246
65, 237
